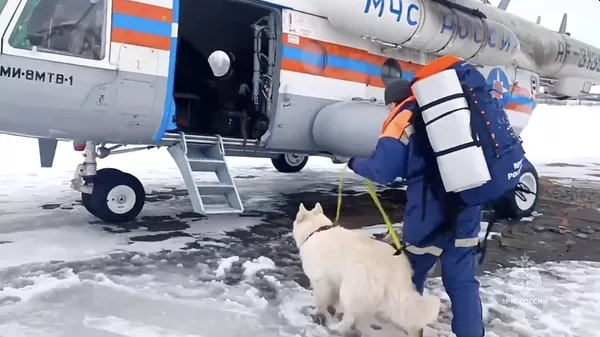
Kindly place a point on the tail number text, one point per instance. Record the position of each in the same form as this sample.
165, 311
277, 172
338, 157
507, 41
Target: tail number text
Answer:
35, 75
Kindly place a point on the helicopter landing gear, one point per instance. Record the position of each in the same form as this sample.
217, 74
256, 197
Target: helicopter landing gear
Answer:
289, 162
112, 195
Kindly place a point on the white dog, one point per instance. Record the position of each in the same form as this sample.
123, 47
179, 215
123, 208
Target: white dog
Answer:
359, 276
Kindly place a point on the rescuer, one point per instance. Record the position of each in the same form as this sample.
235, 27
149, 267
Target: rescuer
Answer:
399, 153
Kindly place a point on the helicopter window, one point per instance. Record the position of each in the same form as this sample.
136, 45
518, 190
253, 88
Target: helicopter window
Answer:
70, 27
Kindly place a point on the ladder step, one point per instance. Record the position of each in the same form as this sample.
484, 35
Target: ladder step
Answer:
221, 209
205, 164
201, 157
215, 189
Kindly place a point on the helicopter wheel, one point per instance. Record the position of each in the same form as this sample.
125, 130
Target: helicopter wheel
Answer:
117, 196
85, 197
289, 162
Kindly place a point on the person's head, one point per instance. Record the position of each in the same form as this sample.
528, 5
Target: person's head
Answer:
396, 92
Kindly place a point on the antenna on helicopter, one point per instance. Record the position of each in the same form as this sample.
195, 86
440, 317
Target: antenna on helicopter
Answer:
539, 20
503, 5
563, 25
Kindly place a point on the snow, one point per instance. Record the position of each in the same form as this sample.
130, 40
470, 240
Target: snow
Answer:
562, 134
61, 274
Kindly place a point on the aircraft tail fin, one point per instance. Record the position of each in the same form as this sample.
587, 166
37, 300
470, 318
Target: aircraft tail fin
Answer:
563, 25
503, 5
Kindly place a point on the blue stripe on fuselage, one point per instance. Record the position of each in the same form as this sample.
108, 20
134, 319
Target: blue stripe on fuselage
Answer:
141, 25
313, 59
521, 100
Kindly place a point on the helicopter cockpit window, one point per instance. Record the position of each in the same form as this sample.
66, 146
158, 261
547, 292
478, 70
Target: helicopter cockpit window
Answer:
70, 27
2, 4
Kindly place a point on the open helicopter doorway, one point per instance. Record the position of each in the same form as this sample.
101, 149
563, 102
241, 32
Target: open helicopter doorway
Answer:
218, 86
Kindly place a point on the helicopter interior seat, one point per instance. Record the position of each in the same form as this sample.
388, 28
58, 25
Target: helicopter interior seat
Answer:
209, 26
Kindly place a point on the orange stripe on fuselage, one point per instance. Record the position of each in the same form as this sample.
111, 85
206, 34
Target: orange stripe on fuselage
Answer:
356, 54
142, 10
519, 108
141, 39
332, 49
334, 73
520, 91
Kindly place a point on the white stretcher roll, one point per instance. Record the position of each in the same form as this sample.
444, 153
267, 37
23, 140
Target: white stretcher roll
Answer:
448, 123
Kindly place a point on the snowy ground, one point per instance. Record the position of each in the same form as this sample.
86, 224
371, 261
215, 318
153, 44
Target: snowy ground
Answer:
63, 275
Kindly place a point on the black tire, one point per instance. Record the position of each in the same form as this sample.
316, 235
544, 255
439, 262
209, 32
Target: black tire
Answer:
117, 197
522, 204
289, 162
85, 197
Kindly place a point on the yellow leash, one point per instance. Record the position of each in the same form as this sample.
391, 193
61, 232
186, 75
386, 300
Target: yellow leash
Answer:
386, 219
373, 194
338, 211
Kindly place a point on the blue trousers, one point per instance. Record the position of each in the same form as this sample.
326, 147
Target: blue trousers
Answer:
458, 276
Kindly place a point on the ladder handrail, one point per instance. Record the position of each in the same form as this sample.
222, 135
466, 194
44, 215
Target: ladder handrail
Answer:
183, 142
221, 145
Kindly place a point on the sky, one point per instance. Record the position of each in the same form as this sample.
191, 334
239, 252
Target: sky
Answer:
582, 20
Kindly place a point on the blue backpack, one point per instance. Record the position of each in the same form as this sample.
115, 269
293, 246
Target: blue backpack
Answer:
491, 130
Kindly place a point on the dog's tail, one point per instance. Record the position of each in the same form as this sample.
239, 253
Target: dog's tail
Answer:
415, 311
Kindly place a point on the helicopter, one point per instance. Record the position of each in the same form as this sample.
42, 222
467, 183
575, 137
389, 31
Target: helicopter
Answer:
279, 79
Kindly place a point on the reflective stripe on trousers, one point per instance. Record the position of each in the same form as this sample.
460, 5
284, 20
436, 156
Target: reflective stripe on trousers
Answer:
436, 251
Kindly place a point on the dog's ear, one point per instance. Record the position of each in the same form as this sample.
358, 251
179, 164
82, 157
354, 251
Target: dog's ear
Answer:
302, 209
302, 213
318, 209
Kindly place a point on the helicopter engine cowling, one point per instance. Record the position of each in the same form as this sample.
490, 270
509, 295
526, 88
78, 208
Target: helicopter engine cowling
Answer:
429, 26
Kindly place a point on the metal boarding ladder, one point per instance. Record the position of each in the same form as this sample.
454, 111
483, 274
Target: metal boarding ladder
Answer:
191, 158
